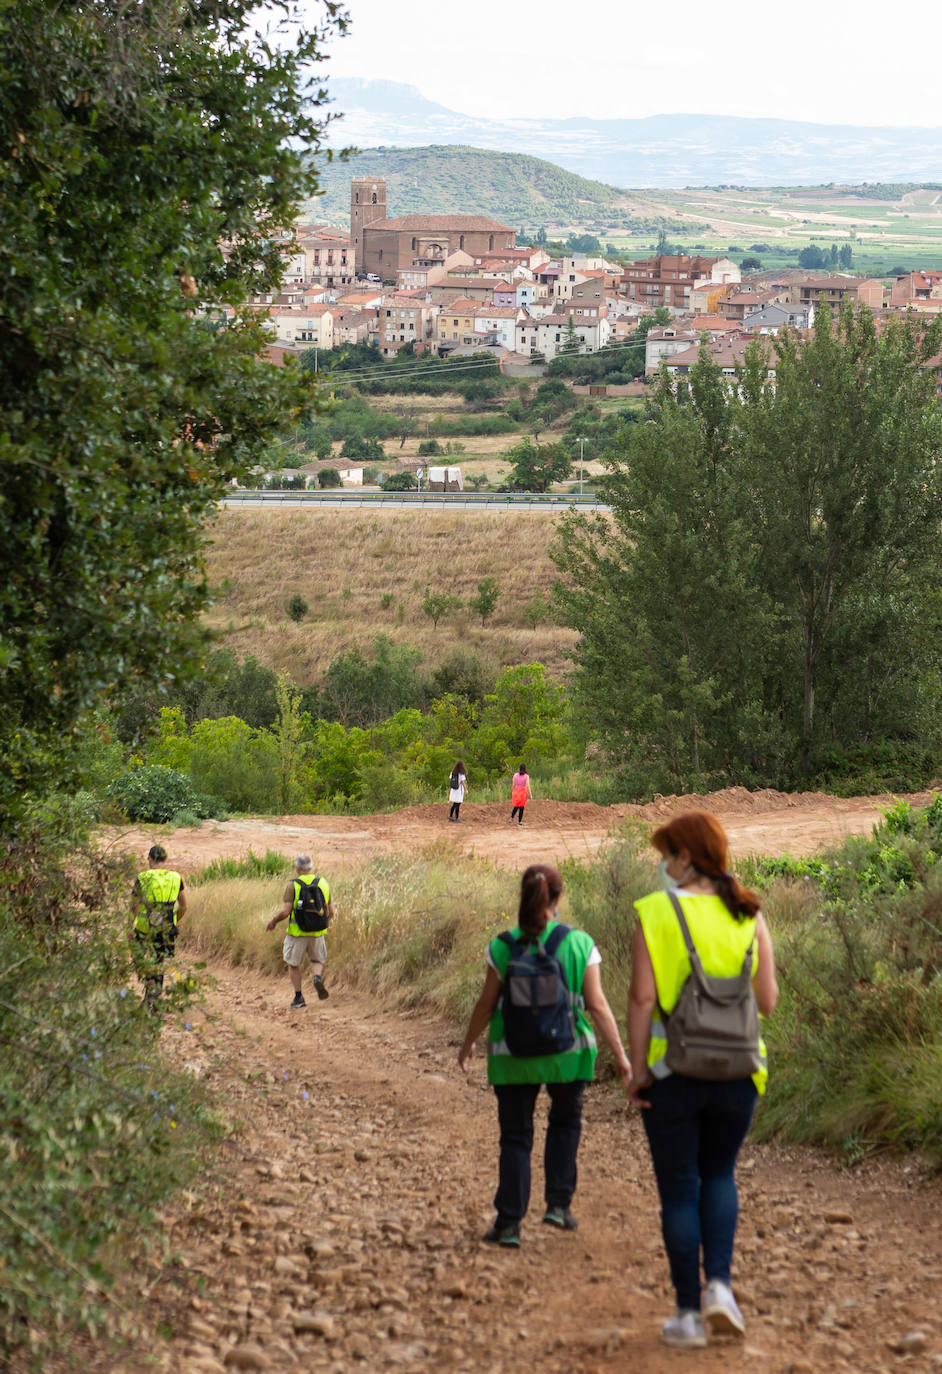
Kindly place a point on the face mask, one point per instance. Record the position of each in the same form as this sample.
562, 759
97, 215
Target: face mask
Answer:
664, 880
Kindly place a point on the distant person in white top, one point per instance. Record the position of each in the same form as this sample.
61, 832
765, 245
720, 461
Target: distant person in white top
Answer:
457, 787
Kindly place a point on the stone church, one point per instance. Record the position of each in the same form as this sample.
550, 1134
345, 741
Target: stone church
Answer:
384, 245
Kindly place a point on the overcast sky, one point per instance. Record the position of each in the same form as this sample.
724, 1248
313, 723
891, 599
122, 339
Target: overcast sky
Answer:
815, 60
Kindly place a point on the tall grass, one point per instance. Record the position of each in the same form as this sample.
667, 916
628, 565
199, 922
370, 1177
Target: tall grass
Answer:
856, 1041
366, 571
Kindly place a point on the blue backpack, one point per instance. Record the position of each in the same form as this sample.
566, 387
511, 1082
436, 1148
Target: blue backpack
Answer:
535, 1002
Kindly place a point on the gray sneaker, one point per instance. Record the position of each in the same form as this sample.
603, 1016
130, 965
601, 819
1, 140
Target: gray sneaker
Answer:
685, 1330
721, 1311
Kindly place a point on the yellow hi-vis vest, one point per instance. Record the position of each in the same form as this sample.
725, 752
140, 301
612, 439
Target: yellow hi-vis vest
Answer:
721, 942
157, 885
293, 927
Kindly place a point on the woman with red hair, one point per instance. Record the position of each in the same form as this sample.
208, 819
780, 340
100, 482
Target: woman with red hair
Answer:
695, 1125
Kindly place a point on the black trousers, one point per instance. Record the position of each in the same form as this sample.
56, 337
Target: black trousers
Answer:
453, 813
517, 810
515, 1104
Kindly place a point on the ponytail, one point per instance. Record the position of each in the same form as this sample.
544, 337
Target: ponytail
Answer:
540, 889
704, 839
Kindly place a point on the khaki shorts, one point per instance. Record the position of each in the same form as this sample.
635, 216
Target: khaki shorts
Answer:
296, 946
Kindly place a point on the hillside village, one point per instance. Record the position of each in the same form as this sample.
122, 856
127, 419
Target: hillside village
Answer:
460, 285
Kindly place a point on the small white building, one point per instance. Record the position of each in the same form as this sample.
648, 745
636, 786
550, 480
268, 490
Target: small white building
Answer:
445, 479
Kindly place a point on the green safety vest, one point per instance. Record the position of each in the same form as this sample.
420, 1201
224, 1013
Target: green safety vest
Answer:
293, 927
569, 1065
721, 942
157, 885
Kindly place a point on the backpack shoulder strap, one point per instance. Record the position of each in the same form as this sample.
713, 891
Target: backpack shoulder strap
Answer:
684, 928
507, 939
555, 938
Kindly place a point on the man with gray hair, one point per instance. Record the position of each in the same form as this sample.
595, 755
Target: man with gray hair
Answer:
307, 909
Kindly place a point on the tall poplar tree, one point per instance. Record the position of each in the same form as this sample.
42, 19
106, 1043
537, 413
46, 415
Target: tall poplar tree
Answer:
765, 596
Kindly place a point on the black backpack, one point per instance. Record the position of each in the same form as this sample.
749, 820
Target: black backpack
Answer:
454, 779
535, 1002
310, 909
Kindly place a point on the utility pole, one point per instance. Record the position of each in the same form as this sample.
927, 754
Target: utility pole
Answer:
581, 442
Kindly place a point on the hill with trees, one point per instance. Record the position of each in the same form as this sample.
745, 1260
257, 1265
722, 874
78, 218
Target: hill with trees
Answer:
461, 180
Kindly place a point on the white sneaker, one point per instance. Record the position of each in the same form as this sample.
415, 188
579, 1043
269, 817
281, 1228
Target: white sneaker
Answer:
684, 1329
721, 1311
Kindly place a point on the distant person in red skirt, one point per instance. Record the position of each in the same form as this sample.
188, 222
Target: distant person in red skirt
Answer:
520, 793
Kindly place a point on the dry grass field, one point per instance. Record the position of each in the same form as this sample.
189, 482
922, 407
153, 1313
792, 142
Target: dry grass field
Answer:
363, 573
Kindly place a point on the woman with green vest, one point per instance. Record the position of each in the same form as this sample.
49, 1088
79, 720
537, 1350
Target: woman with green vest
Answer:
696, 1125
542, 978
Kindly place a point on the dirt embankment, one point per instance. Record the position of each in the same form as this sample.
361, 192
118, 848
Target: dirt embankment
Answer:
762, 822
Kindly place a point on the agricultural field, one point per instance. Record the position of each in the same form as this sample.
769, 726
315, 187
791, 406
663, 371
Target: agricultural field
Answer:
903, 231
364, 573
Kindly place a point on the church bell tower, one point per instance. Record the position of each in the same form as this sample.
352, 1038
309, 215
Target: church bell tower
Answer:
367, 204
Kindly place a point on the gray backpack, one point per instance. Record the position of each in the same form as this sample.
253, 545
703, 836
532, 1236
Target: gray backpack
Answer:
713, 1031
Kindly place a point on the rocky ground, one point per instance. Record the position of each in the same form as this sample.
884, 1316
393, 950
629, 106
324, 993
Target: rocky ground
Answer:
340, 1229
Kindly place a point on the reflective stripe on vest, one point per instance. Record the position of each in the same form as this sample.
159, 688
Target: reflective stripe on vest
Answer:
157, 885
721, 942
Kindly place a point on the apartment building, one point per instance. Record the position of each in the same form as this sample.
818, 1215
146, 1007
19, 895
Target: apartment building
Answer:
404, 320
669, 278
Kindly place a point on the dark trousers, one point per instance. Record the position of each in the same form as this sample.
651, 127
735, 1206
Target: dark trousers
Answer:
515, 1103
150, 952
453, 813
515, 811
694, 1131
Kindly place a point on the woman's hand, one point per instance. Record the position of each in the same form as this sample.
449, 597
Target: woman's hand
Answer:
465, 1055
636, 1086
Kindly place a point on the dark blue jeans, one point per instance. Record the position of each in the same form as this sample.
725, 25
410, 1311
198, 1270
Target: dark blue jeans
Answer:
515, 1103
695, 1129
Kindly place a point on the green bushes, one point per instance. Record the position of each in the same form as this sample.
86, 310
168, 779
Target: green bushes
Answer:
97, 1130
156, 793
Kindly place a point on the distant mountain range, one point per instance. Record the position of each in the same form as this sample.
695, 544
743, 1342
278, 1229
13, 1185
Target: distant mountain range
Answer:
670, 150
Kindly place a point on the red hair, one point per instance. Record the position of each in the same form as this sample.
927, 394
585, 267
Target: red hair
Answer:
700, 833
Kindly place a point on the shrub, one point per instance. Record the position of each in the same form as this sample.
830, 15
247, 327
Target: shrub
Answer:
429, 448
399, 481
154, 793
297, 608
329, 477
98, 1130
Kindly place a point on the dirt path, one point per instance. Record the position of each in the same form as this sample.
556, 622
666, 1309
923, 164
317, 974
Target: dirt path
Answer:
340, 1232
765, 822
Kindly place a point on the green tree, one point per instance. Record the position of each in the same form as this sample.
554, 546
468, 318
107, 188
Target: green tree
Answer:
812, 257
535, 466
437, 604
846, 257
750, 264
571, 343
322, 446
362, 691
756, 597
399, 481
523, 718
297, 608
329, 477
139, 140
487, 596
289, 734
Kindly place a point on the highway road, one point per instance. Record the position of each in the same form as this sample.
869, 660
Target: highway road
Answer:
462, 500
